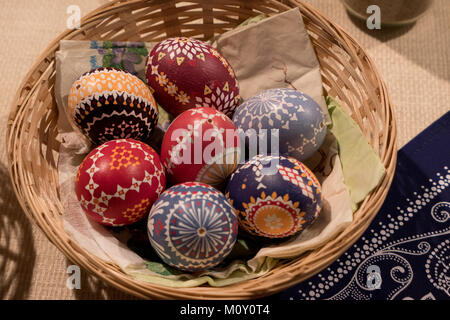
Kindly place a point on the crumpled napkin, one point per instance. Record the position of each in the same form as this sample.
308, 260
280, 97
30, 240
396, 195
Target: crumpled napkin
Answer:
362, 168
274, 53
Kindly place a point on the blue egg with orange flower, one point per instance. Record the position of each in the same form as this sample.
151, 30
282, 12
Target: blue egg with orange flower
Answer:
274, 196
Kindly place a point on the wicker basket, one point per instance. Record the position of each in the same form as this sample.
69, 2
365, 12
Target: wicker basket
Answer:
32, 142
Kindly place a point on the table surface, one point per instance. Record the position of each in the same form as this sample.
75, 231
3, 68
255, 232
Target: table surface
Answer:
412, 60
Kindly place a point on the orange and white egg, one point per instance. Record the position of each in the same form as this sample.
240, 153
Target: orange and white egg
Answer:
108, 103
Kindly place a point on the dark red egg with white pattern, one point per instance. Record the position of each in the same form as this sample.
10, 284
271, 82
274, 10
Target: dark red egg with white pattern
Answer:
201, 145
186, 73
118, 182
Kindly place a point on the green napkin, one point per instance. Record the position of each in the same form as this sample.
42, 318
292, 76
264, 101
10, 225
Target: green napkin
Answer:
361, 165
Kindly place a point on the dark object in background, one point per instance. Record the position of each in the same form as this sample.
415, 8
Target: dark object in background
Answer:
393, 12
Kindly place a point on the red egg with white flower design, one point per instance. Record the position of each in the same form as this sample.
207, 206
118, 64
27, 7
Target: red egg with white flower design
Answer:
186, 73
118, 182
201, 144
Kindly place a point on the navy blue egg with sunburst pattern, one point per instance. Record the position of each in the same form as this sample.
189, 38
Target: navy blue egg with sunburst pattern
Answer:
192, 226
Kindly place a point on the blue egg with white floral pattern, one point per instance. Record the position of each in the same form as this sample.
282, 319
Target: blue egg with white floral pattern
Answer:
300, 121
192, 226
274, 196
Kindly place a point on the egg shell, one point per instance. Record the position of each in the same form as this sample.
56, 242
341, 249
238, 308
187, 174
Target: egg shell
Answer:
192, 226
274, 196
108, 103
299, 119
186, 145
187, 73
117, 182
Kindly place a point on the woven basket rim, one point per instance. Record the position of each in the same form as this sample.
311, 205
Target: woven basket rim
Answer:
254, 288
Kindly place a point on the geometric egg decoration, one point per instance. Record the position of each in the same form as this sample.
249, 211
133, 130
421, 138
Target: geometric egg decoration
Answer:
117, 182
186, 73
201, 145
299, 119
192, 226
108, 103
274, 196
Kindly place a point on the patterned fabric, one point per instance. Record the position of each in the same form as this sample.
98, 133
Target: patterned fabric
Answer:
121, 55
405, 253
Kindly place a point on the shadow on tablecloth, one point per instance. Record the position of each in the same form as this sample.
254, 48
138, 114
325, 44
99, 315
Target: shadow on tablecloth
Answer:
405, 252
92, 288
17, 252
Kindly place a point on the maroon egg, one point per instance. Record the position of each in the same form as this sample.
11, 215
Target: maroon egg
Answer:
186, 73
201, 145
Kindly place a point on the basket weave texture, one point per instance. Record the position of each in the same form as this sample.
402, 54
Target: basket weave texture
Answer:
348, 74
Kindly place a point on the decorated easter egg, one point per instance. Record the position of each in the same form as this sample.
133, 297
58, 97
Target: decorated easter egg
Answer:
108, 103
274, 196
300, 122
187, 73
192, 226
201, 145
118, 182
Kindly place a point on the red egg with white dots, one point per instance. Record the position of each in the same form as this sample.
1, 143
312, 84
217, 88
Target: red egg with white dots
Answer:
117, 182
201, 144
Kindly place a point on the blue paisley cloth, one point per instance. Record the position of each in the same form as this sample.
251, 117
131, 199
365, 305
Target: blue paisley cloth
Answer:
405, 252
